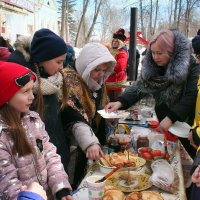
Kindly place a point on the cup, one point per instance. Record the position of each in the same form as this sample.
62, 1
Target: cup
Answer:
95, 190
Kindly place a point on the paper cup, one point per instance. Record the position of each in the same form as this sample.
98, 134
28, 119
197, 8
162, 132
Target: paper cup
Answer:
95, 190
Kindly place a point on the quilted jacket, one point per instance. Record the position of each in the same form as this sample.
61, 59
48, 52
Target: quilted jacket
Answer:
43, 166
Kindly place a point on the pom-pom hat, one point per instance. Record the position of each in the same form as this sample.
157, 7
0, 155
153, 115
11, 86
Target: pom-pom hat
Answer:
46, 45
12, 78
120, 34
196, 44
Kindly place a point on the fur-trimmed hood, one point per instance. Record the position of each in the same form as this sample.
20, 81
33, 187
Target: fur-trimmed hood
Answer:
22, 44
178, 67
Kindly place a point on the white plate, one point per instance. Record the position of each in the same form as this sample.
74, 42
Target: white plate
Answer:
180, 129
114, 115
82, 194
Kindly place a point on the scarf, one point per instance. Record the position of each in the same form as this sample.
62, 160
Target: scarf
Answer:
50, 85
166, 85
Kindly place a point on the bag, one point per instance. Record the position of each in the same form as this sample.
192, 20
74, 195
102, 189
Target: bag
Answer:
196, 163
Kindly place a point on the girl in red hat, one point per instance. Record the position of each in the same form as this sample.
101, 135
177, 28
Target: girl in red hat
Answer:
26, 155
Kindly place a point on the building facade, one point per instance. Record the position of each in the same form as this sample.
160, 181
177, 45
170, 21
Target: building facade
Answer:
24, 17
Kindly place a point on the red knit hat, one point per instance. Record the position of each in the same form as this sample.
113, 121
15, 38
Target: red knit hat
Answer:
12, 78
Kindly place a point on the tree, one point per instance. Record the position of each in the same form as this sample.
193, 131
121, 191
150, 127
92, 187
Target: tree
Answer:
96, 13
85, 7
66, 9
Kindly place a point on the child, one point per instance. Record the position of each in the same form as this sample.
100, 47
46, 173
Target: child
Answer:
87, 93
26, 155
48, 51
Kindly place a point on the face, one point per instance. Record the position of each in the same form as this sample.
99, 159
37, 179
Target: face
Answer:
54, 65
23, 98
115, 43
98, 73
160, 57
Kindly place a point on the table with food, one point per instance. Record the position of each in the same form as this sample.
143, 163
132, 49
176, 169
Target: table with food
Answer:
139, 164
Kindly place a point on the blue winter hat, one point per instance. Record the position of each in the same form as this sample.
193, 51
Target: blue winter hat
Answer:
46, 45
70, 57
196, 44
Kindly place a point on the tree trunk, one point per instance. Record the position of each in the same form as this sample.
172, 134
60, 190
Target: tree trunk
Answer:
179, 14
171, 10
150, 20
175, 13
141, 19
96, 13
85, 5
67, 22
155, 20
63, 19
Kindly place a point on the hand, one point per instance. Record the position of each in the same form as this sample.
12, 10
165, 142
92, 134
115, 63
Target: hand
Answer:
68, 197
112, 106
190, 138
196, 176
94, 152
37, 188
165, 123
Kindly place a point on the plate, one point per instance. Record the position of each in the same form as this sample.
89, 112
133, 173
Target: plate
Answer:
139, 162
146, 195
113, 115
180, 129
82, 194
140, 181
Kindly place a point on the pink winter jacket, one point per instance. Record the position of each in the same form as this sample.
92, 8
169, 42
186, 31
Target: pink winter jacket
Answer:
43, 166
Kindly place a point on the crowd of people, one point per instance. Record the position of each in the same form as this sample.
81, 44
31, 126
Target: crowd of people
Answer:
49, 125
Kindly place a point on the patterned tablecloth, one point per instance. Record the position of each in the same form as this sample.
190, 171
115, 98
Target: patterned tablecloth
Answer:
182, 161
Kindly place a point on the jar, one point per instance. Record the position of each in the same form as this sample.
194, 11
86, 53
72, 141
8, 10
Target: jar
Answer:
142, 142
113, 145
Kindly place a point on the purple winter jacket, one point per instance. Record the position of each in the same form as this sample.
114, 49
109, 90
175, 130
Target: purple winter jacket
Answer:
43, 166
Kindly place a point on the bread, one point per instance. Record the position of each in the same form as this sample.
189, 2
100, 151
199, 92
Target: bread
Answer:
104, 162
116, 159
134, 196
113, 195
145, 195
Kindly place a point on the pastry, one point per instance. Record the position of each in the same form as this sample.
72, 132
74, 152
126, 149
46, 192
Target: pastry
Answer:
116, 159
113, 195
145, 195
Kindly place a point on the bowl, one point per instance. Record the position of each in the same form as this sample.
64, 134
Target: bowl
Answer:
104, 169
134, 163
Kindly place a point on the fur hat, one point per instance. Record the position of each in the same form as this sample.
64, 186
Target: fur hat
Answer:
120, 34
12, 77
46, 45
196, 44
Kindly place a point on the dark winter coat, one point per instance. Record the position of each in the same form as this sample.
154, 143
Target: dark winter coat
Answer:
17, 57
177, 99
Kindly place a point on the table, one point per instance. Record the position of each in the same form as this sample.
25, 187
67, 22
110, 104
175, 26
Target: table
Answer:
179, 195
